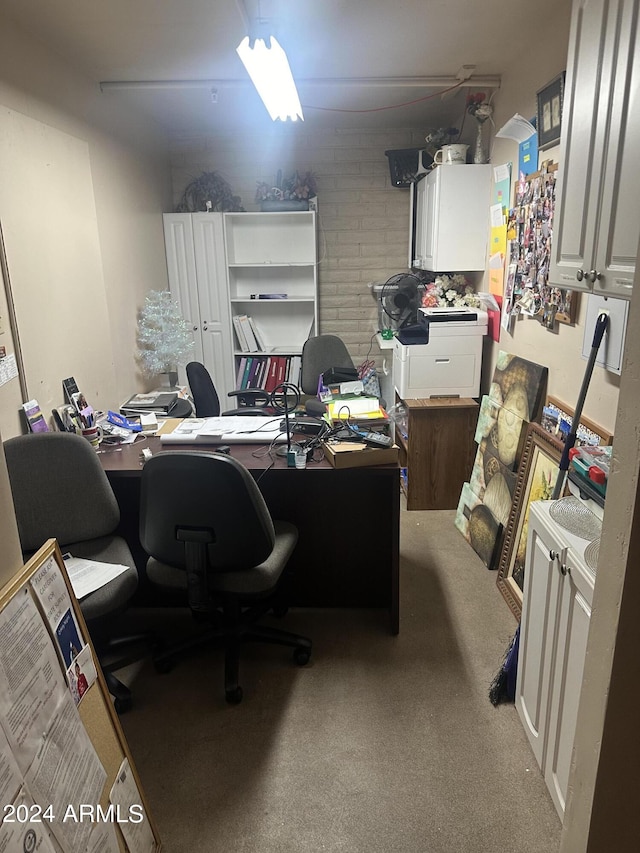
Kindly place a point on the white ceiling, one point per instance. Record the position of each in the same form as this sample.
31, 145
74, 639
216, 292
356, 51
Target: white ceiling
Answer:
329, 43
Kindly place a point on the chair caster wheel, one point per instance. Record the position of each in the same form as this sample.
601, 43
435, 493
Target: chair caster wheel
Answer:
302, 656
163, 666
234, 697
123, 704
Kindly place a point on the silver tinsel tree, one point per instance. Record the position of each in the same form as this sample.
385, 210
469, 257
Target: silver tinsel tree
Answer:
164, 336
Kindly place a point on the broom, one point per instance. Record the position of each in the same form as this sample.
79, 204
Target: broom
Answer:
503, 686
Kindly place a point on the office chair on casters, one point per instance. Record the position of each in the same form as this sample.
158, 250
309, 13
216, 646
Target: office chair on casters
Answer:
205, 397
207, 530
60, 491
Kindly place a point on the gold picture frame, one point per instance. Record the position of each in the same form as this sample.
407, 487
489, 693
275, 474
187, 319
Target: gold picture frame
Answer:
537, 474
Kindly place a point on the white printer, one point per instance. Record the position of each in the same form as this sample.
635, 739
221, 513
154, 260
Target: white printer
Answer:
448, 362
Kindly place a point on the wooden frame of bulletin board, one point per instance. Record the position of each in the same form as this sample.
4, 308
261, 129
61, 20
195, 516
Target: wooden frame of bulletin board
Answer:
67, 775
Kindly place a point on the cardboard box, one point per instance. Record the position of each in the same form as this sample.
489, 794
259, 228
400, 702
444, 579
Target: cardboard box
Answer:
349, 454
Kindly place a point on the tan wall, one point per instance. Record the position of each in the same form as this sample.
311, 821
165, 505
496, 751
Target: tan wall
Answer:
83, 233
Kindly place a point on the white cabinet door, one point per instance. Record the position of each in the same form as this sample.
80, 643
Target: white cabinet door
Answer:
569, 651
196, 269
181, 270
213, 299
556, 611
619, 220
596, 222
537, 628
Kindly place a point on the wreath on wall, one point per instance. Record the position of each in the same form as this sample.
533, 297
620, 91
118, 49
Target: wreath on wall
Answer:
209, 193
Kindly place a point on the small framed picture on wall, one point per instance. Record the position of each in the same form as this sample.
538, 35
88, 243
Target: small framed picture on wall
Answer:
550, 100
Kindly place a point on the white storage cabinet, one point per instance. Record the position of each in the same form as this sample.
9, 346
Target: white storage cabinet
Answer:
196, 268
556, 611
596, 224
452, 218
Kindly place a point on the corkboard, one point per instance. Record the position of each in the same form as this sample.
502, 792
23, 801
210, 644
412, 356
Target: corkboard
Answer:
96, 710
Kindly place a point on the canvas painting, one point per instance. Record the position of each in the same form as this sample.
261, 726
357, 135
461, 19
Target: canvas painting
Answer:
501, 430
519, 386
478, 526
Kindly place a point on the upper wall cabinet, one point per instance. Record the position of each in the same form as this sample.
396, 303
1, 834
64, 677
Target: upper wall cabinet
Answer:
597, 216
452, 219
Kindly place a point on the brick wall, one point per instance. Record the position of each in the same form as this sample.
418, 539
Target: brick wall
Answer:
363, 231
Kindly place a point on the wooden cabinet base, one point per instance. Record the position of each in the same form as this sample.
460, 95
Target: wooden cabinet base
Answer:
439, 451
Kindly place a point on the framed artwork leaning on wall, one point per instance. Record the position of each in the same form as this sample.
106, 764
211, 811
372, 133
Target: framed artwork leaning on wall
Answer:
537, 475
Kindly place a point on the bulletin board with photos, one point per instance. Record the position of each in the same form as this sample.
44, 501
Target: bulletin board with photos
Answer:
67, 779
530, 232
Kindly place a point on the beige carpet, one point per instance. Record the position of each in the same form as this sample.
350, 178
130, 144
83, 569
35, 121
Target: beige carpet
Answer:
381, 745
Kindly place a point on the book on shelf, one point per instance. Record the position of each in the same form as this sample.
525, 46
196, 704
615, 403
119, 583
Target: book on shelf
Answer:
247, 371
242, 341
156, 401
247, 330
269, 295
272, 370
35, 419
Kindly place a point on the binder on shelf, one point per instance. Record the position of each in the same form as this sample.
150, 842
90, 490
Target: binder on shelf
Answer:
240, 374
247, 370
244, 346
250, 338
257, 335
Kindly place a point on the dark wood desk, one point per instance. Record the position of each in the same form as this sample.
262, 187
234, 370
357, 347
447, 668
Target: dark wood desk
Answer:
348, 522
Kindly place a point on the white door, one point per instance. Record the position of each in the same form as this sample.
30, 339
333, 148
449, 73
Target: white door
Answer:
213, 298
181, 270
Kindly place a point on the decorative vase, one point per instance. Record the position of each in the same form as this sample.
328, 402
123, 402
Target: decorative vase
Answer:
169, 379
479, 155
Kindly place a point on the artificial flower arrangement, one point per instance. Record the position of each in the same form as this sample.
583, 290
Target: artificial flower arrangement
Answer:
450, 291
478, 107
295, 187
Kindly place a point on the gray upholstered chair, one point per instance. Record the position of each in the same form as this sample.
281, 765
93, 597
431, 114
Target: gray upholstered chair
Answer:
60, 491
209, 533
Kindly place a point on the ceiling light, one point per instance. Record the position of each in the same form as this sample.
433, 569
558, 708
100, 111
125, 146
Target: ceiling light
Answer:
269, 69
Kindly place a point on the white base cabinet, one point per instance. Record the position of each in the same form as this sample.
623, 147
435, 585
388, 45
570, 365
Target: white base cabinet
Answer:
554, 627
452, 218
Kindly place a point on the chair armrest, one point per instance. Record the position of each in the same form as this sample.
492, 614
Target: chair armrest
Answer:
252, 397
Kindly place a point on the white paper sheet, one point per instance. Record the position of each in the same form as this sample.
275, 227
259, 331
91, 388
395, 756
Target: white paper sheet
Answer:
103, 839
31, 681
125, 794
10, 777
18, 835
228, 430
89, 575
66, 773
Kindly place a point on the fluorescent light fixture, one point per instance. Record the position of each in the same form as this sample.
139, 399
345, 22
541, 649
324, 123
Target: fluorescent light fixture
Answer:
269, 69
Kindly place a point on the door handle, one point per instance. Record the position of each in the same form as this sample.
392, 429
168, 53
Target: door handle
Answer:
579, 274
593, 276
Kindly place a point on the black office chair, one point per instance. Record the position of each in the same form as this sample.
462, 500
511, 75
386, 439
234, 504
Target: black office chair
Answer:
207, 530
252, 401
60, 491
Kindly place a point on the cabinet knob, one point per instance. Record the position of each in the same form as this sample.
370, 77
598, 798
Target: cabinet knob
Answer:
593, 276
195, 328
552, 555
579, 274
565, 569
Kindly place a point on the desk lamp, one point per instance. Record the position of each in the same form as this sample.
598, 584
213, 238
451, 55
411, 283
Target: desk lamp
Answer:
281, 403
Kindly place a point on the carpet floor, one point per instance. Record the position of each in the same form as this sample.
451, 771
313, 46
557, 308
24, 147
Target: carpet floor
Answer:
381, 744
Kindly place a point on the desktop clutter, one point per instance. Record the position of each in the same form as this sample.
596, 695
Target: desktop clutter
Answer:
351, 431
